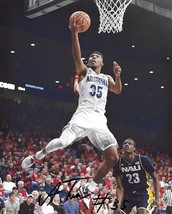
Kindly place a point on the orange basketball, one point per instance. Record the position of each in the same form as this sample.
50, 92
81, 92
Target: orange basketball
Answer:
82, 19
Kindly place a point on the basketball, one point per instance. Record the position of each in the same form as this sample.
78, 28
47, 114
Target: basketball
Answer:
82, 19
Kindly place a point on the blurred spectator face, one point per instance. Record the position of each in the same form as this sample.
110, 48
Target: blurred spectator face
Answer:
42, 192
35, 170
65, 186
56, 199
44, 171
100, 186
96, 191
29, 200
20, 184
45, 163
35, 194
8, 178
163, 178
12, 197
48, 180
11, 165
60, 174
71, 200
110, 174
15, 190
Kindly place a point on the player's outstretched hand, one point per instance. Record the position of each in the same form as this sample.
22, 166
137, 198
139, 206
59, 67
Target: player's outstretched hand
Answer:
116, 69
74, 26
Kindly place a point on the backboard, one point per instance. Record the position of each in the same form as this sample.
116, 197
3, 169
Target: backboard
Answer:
35, 8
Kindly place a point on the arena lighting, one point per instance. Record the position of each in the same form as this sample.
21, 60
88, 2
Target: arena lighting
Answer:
34, 87
7, 85
21, 89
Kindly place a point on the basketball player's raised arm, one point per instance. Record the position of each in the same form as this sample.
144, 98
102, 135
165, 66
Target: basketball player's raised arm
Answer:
76, 50
115, 86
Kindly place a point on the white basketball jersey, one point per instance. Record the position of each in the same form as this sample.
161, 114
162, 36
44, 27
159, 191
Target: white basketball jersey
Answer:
89, 118
93, 90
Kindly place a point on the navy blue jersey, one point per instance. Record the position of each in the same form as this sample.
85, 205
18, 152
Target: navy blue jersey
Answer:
134, 174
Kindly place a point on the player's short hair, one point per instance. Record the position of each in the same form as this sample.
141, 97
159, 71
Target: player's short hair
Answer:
130, 139
97, 52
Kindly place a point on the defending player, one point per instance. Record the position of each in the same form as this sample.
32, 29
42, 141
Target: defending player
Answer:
89, 119
132, 176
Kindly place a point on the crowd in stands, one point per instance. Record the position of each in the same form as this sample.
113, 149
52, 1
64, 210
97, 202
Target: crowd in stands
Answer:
57, 174
63, 167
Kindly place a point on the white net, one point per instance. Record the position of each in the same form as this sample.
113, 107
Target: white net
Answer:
111, 14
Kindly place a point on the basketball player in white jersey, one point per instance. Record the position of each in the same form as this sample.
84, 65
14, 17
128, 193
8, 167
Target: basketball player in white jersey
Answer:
89, 119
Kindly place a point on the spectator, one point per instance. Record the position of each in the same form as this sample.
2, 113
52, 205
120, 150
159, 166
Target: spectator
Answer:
1, 204
53, 171
11, 170
18, 195
42, 194
8, 185
49, 186
86, 206
64, 193
11, 205
22, 191
104, 208
168, 199
37, 208
43, 174
112, 200
71, 206
75, 173
47, 208
1, 191
27, 206
57, 205
35, 175
107, 181
57, 179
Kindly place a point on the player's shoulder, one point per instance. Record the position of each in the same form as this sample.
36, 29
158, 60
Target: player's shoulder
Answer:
107, 76
145, 160
143, 157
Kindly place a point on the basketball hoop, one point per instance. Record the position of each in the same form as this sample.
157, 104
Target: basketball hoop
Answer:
111, 14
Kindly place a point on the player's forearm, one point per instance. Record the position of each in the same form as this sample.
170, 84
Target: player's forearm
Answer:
76, 50
119, 196
118, 85
156, 188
